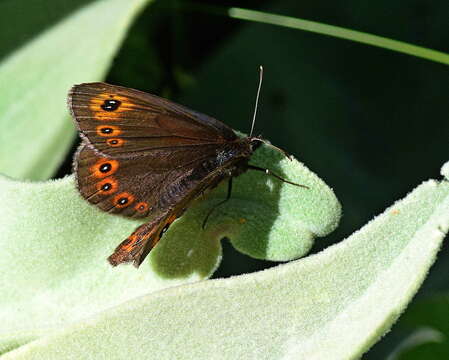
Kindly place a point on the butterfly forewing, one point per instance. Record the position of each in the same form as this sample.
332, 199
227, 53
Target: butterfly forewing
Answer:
123, 122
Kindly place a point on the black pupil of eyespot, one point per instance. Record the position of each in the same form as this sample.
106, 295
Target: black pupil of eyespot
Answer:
113, 142
105, 168
106, 130
110, 105
122, 201
141, 207
165, 229
106, 187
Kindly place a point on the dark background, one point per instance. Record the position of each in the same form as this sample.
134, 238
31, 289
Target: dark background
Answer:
370, 122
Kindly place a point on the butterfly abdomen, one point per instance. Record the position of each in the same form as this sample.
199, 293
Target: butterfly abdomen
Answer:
230, 161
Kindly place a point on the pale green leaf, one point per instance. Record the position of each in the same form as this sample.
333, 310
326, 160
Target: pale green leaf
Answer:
36, 130
332, 305
54, 244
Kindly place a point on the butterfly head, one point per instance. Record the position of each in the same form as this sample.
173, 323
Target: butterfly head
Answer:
255, 142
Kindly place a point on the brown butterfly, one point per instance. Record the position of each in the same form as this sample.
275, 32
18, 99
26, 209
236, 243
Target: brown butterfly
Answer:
144, 156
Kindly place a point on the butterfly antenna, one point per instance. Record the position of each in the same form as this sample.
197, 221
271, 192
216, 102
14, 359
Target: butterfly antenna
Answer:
257, 99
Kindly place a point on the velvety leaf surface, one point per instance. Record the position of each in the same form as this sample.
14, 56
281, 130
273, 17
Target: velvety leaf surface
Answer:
35, 128
54, 244
332, 305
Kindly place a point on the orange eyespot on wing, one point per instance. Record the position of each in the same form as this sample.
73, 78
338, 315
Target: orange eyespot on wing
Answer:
108, 106
145, 123
108, 130
104, 167
107, 186
123, 200
115, 142
139, 149
141, 207
115, 186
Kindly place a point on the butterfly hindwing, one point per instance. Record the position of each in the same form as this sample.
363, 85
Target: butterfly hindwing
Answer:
137, 246
124, 122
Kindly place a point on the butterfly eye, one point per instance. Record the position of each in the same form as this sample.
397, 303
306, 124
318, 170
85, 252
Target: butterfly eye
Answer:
115, 142
123, 200
104, 167
111, 105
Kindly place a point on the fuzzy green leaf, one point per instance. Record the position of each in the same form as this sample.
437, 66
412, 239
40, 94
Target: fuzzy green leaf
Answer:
36, 77
55, 245
332, 305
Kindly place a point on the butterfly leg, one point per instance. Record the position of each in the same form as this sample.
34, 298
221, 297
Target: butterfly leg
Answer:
228, 196
270, 173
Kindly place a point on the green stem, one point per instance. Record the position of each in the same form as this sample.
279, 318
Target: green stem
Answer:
339, 32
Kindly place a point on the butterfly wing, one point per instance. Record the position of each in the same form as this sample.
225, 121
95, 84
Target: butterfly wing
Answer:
133, 187
123, 122
138, 245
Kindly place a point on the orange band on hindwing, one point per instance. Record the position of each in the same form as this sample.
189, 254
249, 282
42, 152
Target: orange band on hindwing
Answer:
131, 247
142, 240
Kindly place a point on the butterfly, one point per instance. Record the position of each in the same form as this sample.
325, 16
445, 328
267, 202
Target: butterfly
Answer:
142, 156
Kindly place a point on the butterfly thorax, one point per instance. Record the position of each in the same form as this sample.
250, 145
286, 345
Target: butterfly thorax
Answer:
231, 160
233, 152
